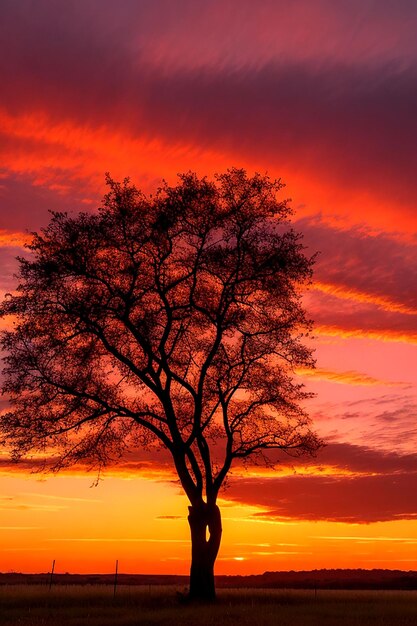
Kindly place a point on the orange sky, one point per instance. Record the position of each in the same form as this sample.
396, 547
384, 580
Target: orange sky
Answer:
320, 94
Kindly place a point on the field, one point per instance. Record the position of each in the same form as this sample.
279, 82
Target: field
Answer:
32, 605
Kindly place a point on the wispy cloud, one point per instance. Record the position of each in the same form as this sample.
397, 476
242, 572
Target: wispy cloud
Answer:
349, 378
375, 334
350, 293
365, 538
21, 528
57, 497
115, 540
13, 239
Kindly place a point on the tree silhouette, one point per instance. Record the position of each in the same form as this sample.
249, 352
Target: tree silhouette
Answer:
171, 320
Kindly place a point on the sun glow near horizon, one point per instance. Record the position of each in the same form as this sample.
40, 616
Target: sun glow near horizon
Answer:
143, 525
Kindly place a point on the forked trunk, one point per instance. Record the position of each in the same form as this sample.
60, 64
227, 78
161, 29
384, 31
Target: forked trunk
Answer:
203, 517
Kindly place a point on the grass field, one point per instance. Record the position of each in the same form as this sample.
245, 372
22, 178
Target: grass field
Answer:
32, 605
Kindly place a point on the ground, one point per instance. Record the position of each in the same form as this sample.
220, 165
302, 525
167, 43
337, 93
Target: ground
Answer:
36, 605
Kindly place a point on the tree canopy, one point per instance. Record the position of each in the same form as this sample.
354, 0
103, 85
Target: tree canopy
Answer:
170, 320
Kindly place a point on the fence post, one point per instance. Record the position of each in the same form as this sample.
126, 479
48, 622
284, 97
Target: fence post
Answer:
52, 573
115, 578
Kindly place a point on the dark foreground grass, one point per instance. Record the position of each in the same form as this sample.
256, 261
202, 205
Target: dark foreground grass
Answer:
95, 606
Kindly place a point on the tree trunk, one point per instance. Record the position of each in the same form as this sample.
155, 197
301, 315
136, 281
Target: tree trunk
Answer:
204, 550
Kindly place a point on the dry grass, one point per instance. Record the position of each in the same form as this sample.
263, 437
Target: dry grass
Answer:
95, 606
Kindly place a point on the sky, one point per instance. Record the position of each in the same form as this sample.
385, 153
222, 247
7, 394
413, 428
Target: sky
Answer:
321, 94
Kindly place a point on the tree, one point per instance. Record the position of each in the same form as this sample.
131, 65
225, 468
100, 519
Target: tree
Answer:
171, 320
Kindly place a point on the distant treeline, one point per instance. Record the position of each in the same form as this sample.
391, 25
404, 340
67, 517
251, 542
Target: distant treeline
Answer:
315, 579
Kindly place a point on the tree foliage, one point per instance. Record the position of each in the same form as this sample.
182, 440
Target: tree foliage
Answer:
172, 320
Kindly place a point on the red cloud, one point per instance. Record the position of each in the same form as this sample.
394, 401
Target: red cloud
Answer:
359, 500
365, 486
332, 123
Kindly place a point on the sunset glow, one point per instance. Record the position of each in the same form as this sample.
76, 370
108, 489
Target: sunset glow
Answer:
321, 94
